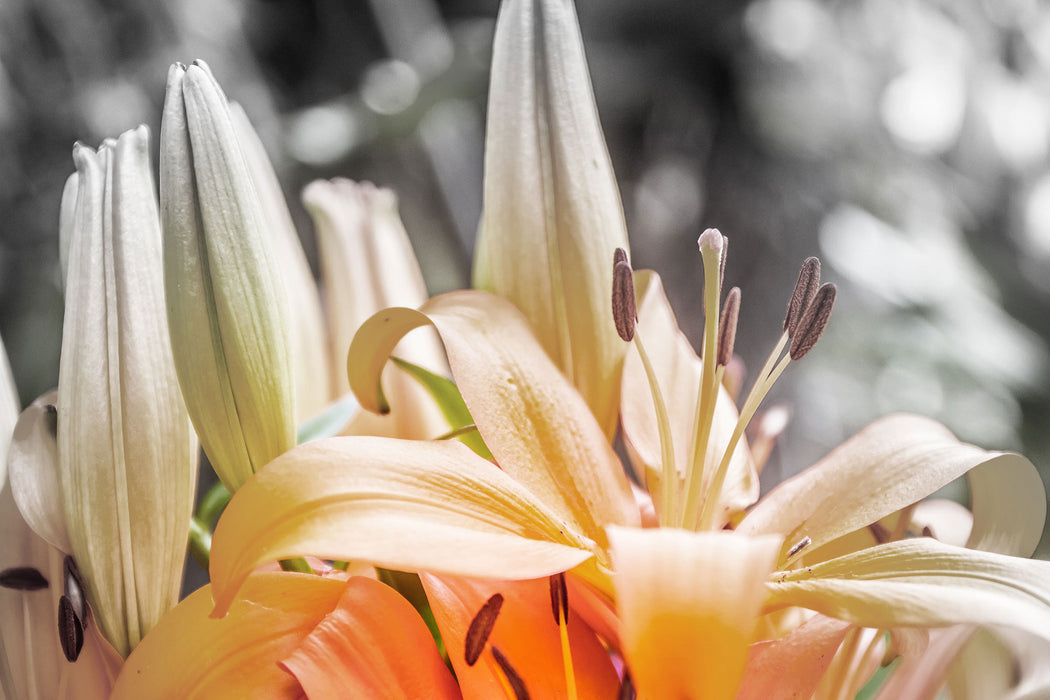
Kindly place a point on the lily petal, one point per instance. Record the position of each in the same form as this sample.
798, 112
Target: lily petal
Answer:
535, 423
892, 463
34, 477
791, 667
552, 215
678, 372
525, 632
190, 654
403, 505
1008, 501
309, 356
689, 604
374, 644
922, 582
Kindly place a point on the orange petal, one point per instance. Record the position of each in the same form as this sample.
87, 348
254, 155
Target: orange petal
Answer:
189, 654
374, 644
525, 632
689, 603
791, 667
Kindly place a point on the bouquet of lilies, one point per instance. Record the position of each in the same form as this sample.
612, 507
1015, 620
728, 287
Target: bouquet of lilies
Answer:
420, 497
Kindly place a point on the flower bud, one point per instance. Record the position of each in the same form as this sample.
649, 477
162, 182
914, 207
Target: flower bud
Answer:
227, 308
126, 455
552, 214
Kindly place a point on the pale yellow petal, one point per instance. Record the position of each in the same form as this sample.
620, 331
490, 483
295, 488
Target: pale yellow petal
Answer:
1008, 501
892, 463
922, 582
400, 504
535, 423
552, 216
33, 471
689, 603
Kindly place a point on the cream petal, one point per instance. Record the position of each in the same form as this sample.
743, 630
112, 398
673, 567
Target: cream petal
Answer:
536, 425
922, 582
892, 463
310, 361
400, 504
34, 475
689, 603
552, 215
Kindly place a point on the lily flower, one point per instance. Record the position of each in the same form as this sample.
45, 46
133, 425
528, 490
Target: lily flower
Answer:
367, 264
551, 208
126, 459
227, 310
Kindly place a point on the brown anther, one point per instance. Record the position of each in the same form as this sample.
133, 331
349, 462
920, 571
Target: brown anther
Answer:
559, 599
627, 691
802, 295
480, 629
727, 326
879, 532
513, 679
813, 322
799, 546
722, 261
22, 578
51, 416
70, 630
927, 531
625, 313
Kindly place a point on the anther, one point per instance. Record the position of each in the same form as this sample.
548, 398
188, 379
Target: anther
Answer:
51, 416
559, 599
727, 326
70, 630
802, 295
517, 685
74, 588
480, 629
625, 313
627, 691
22, 578
722, 261
813, 322
799, 546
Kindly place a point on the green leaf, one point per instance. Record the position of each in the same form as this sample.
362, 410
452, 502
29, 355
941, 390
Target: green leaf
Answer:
329, 422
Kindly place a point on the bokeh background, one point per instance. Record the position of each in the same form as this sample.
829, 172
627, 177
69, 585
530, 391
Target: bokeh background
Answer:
906, 142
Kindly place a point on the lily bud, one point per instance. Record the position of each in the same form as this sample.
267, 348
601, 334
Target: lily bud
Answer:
552, 213
309, 355
367, 265
227, 308
127, 465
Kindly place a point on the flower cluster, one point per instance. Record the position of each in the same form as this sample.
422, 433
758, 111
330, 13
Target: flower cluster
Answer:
426, 499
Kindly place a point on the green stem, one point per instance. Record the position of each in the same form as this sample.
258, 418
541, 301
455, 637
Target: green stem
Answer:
297, 564
200, 542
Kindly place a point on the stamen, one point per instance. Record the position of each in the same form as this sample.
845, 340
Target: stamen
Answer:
22, 578
813, 322
560, 607
559, 599
799, 546
70, 630
802, 295
517, 685
74, 588
667, 501
480, 629
727, 326
51, 416
627, 691
625, 314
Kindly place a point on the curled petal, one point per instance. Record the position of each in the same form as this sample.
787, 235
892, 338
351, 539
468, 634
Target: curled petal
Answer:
34, 476
403, 505
792, 666
536, 425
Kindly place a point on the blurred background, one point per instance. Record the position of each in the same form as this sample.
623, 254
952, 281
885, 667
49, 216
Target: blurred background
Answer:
906, 142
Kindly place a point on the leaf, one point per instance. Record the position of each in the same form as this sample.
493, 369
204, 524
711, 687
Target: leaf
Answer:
399, 504
328, 422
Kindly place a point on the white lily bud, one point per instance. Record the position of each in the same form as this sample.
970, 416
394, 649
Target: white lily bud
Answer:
227, 307
367, 264
127, 463
552, 214
309, 353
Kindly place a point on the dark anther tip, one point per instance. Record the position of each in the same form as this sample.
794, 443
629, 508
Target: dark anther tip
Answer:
70, 630
513, 678
559, 598
23, 578
480, 629
813, 322
727, 326
624, 309
802, 295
